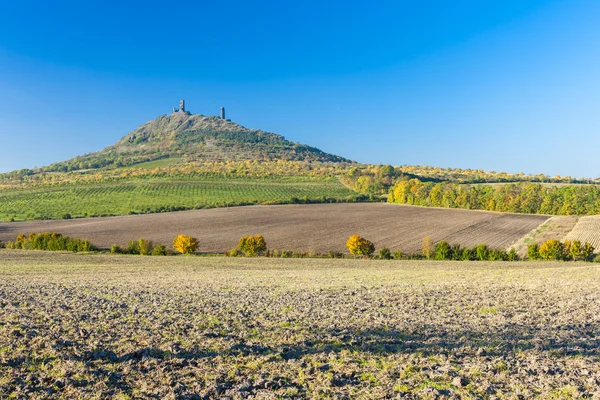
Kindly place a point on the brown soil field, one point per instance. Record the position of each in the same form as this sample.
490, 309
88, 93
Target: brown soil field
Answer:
99, 326
317, 227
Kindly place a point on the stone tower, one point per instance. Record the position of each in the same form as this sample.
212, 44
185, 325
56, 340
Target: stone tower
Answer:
181, 105
222, 112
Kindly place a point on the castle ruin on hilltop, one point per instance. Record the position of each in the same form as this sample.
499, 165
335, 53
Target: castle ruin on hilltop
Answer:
182, 110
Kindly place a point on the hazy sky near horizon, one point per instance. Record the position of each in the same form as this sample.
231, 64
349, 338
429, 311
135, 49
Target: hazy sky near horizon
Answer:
504, 85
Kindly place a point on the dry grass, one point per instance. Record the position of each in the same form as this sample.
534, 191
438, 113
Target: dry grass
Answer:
99, 326
317, 228
556, 228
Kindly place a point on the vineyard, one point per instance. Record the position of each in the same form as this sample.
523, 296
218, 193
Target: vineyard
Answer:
143, 196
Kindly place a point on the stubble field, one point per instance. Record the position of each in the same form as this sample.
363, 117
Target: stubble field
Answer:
100, 326
316, 227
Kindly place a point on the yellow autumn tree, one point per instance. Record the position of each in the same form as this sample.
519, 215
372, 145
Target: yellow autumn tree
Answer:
360, 246
253, 245
185, 244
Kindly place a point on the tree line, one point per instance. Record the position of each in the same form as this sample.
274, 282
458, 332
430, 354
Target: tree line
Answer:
527, 198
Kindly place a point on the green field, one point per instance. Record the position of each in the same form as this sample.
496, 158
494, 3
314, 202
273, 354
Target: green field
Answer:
100, 326
157, 195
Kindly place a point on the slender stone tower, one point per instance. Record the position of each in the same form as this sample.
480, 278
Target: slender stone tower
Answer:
222, 112
181, 105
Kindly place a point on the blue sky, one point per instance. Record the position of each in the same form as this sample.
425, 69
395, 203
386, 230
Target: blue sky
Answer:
504, 85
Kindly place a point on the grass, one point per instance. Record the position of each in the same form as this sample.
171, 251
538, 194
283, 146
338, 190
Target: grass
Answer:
100, 326
156, 195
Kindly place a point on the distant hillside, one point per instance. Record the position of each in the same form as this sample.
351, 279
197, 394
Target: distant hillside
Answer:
194, 137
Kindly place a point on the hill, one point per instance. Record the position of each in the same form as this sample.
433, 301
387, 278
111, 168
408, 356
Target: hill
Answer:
184, 137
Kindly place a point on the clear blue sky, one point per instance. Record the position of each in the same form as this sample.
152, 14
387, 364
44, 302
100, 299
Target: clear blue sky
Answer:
503, 85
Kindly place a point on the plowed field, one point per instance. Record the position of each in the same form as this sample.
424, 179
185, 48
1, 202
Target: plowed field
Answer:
318, 228
122, 327
587, 229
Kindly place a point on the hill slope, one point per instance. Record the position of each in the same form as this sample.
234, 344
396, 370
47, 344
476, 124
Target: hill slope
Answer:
194, 137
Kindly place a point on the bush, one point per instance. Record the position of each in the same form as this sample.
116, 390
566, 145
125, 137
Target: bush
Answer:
185, 244
115, 249
51, 241
145, 247
359, 246
133, 247
456, 252
497, 255
442, 250
385, 254
588, 251
512, 255
253, 245
235, 252
533, 251
481, 252
159, 250
335, 254
467, 255
552, 250
398, 255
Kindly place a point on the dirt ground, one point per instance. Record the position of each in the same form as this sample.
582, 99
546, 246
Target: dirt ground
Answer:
98, 326
317, 227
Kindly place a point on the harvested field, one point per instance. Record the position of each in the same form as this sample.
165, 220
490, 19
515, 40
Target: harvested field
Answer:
317, 227
587, 229
556, 228
101, 326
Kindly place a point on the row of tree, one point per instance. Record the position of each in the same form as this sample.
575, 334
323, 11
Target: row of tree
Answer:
529, 198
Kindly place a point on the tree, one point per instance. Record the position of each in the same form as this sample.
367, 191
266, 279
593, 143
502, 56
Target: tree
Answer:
575, 250
185, 244
482, 252
552, 250
253, 245
588, 251
533, 251
359, 246
427, 248
385, 254
442, 250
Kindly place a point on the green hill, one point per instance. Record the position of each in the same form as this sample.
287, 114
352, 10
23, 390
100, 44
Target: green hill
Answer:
184, 137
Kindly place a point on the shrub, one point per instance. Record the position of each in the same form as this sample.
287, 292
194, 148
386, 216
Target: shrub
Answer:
552, 250
385, 254
133, 247
442, 250
335, 254
66, 216
512, 255
575, 250
481, 252
588, 251
533, 251
253, 245
467, 255
145, 247
51, 241
497, 255
235, 252
456, 252
398, 255
115, 249
359, 246
159, 250
185, 244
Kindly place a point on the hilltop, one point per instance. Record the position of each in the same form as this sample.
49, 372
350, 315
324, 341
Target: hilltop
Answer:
185, 137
